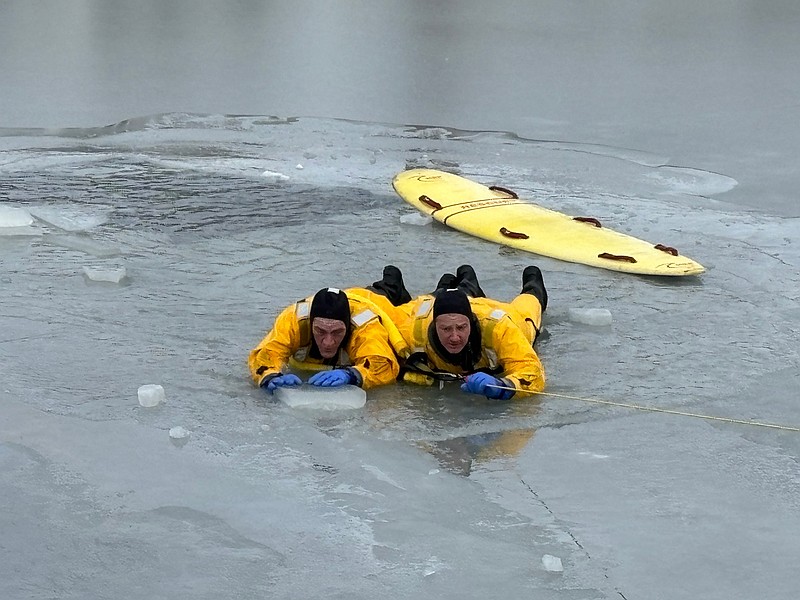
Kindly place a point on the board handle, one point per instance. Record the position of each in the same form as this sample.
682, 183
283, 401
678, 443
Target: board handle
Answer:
590, 220
428, 201
515, 235
497, 188
617, 257
667, 249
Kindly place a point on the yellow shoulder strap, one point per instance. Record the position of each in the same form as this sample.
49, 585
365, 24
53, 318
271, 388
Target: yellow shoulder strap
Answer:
302, 311
420, 332
487, 334
364, 317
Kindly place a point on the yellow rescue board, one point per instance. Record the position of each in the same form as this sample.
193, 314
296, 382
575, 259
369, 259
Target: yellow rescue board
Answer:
498, 215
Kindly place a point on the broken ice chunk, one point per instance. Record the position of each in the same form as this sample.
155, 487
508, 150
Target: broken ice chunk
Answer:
151, 395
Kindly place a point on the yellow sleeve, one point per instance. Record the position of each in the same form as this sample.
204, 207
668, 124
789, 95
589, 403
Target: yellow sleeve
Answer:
521, 364
372, 355
272, 354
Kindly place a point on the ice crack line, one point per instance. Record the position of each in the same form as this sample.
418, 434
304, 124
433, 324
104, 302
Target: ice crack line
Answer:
569, 533
547, 508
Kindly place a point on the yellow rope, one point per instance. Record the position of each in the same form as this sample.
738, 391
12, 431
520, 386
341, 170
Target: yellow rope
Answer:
655, 409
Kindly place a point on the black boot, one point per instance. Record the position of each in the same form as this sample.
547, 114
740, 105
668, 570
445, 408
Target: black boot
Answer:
392, 286
448, 281
468, 281
533, 283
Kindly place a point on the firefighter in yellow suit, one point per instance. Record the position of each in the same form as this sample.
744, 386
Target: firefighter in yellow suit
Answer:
457, 331
341, 334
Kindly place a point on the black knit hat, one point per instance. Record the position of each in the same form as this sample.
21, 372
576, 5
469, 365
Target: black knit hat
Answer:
451, 301
331, 303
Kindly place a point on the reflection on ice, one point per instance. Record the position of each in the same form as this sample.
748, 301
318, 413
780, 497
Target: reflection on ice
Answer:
461, 455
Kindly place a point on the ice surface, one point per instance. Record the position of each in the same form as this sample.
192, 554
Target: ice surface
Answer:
207, 250
151, 395
344, 397
415, 473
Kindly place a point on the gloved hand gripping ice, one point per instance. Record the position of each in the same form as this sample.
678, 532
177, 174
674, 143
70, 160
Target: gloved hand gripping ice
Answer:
288, 379
332, 378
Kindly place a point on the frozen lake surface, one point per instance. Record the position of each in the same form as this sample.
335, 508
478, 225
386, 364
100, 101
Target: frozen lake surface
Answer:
156, 247
428, 492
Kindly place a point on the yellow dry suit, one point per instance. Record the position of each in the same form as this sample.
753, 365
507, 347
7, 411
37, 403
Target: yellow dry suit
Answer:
368, 350
508, 331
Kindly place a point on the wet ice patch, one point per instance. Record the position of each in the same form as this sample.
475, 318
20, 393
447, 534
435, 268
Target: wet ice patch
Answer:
432, 566
85, 244
223, 166
381, 476
68, 218
593, 455
682, 180
24, 161
416, 218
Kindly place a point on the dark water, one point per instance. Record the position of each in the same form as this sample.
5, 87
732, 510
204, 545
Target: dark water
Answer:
711, 86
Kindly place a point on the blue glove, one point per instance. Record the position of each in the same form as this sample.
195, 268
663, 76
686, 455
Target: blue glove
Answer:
480, 383
289, 379
333, 378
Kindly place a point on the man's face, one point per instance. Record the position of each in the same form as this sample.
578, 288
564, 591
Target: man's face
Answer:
453, 331
329, 334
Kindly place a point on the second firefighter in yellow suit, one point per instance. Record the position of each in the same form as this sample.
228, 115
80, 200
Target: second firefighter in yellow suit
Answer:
489, 343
